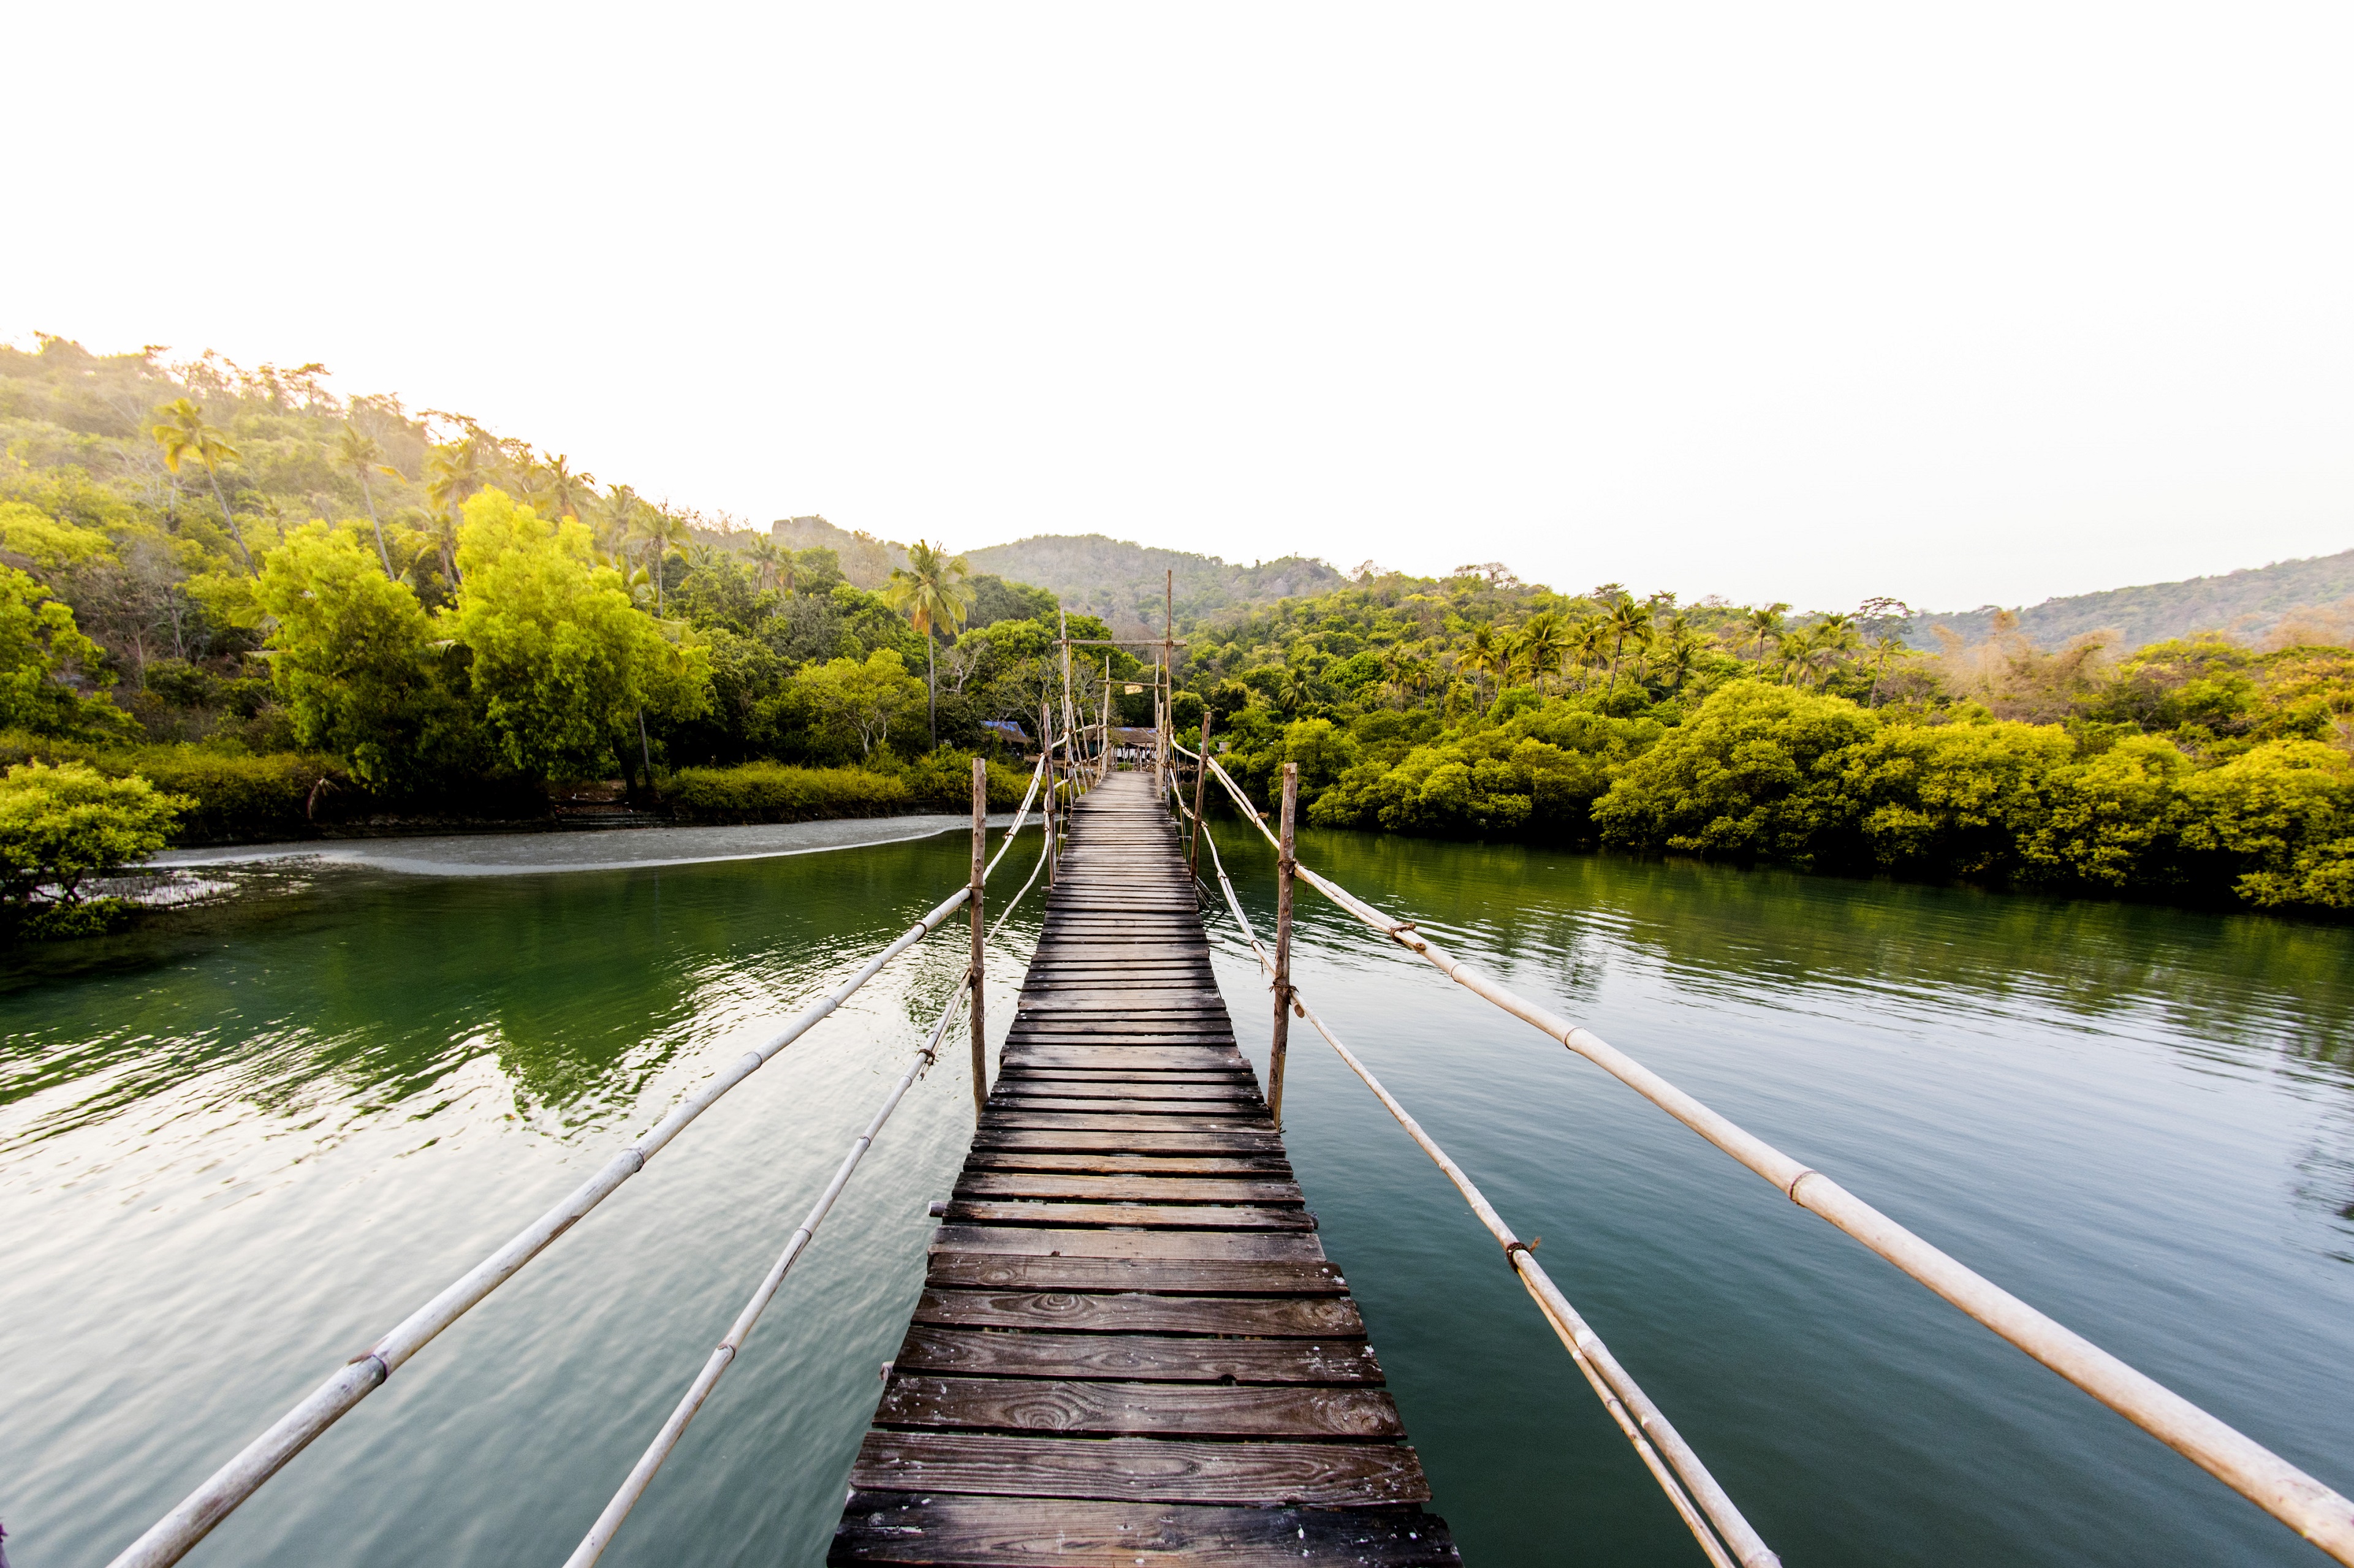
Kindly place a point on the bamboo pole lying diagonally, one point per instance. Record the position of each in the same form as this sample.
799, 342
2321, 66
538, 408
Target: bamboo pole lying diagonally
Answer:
600, 1535
1724, 1535
171, 1537
633, 1486
2315, 1512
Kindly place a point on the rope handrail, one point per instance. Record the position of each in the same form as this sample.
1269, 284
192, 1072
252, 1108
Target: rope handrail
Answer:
173, 1536
1645, 1427
2315, 1512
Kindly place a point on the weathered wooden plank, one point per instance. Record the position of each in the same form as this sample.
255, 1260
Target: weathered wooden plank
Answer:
1137, 1409
1229, 1245
1141, 1469
1159, 1216
1143, 1357
1134, 1312
1255, 1167
1023, 1107
1183, 1276
1176, 1088
1126, 1188
1212, 1074
912, 1528
1084, 1139
1036, 1116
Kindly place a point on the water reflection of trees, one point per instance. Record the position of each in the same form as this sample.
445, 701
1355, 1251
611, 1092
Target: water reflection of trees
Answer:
2245, 982
364, 991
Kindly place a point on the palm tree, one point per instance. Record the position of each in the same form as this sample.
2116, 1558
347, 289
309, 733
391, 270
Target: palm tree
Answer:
453, 471
767, 558
1829, 641
1796, 651
1887, 642
1587, 640
1484, 653
1683, 652
1767, 624
562, 491
359, 452
658, 531
185, 433
617, 520
1397, 667
1533, 650
1292, 692
1628, 619
932, 590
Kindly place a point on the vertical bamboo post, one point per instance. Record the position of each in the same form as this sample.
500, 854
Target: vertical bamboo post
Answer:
1046, 778
979, 846
1201, 778
1284, 863
1103, 737
1168, 676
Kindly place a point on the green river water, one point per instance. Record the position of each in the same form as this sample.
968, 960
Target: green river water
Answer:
234, 1151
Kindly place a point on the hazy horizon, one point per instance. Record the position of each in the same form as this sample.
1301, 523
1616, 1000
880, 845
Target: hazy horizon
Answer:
1974, 308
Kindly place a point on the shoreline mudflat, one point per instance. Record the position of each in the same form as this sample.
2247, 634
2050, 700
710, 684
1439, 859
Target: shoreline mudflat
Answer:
605, 849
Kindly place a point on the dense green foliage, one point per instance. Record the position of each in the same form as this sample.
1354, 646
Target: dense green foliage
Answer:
61, 827
300, 609
1476, 706
779, 792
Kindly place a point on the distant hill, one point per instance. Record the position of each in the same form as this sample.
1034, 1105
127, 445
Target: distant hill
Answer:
866, 560
2246, 604
1121, 582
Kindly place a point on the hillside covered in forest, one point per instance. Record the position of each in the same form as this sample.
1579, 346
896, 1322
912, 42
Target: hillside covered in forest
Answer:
1123, 582
2248, 604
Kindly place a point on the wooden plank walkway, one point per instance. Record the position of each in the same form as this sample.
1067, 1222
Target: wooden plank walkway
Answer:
1130, 1347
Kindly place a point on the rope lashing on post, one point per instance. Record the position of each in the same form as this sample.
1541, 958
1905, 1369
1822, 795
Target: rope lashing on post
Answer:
173, 1536
1725, 1537
2315, 1512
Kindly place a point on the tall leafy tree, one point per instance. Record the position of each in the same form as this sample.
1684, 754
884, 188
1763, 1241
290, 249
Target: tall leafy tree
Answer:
1765, 623
453, 473
1628, 620
563, 663
657, 531
768, 559
184, 433
362, 454
562, 493
932, 592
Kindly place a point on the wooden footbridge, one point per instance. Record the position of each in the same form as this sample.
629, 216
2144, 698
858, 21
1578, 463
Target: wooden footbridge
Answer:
1131, 1346
1130, 1349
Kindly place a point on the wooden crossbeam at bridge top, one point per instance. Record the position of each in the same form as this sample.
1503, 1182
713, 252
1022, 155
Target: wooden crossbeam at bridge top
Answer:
1130, 1348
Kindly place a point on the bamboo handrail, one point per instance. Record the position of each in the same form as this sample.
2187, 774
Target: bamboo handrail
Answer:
2315, 1512
173, 1536
1645, 1427
633, 1486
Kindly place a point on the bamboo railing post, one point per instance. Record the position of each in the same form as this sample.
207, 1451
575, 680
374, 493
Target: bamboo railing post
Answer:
980, 844
1046, 761
1283, 868
1103, 753
1201, 781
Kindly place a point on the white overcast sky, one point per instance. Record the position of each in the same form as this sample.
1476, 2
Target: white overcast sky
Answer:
1975, 302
